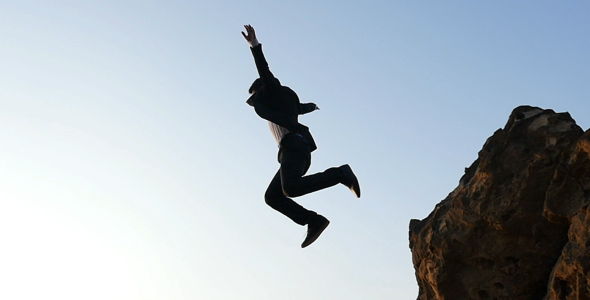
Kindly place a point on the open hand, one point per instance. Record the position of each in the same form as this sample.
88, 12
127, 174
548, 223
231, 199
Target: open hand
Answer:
251, 34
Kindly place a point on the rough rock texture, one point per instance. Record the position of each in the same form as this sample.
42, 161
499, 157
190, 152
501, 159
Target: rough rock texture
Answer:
518, 224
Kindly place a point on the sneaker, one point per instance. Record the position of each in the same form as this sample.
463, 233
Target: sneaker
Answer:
314, 229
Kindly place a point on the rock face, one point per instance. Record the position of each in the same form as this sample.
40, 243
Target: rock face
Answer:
518, 224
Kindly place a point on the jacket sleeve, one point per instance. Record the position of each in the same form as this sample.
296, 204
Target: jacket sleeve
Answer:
269, 80
306, 108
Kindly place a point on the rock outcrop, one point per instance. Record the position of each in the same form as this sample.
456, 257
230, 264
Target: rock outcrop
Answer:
518, 224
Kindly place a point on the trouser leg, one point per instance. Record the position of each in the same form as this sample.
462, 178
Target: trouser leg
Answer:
289, 181
294, 164
276, 199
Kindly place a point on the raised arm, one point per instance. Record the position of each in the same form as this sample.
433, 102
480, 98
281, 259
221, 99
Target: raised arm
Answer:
266, 75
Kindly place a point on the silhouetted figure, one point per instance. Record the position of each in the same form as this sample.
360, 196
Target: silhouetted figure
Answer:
280, 106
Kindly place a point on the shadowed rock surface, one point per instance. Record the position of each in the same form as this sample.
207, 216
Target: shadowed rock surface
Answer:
518, 224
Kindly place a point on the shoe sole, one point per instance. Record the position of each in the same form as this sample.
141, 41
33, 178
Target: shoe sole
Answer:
314, 237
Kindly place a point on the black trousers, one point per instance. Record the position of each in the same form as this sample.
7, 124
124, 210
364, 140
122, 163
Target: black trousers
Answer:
289, 181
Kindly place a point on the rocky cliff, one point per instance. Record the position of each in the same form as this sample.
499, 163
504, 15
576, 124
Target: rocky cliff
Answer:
518, 224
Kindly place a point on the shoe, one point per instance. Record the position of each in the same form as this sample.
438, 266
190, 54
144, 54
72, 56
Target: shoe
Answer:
351, 181
314, 229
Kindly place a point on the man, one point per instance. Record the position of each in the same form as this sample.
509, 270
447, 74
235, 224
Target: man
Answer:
280, 106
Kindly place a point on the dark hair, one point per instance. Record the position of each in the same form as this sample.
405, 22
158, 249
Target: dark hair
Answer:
256, 85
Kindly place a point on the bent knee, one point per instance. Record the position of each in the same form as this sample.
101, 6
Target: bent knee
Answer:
271, 199
291, 191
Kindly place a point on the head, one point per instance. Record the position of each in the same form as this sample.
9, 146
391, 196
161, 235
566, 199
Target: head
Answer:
256, 85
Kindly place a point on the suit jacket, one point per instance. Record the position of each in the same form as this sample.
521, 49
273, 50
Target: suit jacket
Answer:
277, 103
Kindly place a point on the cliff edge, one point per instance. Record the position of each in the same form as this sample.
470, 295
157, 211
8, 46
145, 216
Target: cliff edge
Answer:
518, 224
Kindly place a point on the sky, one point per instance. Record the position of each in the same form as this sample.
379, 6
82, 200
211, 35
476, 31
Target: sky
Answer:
132, 168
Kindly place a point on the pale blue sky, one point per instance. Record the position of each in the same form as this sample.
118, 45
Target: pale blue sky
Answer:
131, 167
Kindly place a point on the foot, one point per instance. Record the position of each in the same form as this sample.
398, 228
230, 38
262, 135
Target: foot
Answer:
350, 180
314, 228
